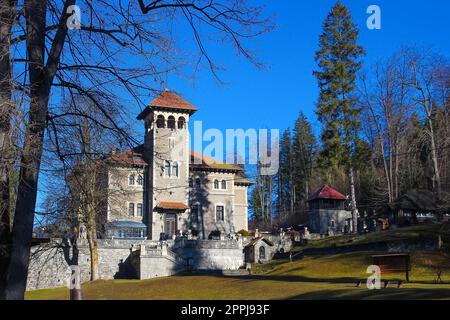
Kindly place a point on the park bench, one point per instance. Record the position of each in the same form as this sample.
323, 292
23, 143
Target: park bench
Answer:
392, 264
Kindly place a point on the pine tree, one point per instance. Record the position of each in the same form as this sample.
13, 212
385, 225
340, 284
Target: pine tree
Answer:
303, 153
339, 61
284, 177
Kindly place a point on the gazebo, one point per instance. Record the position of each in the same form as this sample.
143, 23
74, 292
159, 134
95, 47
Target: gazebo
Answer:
327, 213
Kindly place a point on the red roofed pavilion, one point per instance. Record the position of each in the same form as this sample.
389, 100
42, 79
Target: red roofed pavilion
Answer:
326, 192
327, 212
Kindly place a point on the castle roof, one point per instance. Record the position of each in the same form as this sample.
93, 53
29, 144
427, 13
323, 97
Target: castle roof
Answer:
168, 100
132, 157
326, 192
166, 205
240, 180
199, 162
202, 162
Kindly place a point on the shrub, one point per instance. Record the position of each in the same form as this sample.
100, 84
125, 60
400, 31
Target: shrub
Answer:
244, 233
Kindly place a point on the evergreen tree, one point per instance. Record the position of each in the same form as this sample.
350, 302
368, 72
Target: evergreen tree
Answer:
339, 61
284, 177
303, 153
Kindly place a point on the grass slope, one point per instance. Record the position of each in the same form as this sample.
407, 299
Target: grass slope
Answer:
314, 277
326, 277
419, 232
221, 288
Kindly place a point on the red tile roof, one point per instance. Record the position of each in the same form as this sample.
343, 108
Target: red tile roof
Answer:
127, 158
168, 100
171, 205
327, 192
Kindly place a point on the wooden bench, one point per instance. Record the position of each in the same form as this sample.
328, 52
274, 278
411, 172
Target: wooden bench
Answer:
392, 263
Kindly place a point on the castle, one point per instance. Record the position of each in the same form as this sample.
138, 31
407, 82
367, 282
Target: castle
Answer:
162, 189
167, 209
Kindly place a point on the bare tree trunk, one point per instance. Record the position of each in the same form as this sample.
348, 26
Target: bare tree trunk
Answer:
93, 250
434, 158
7, 14
41, 79
31, 155
353, 201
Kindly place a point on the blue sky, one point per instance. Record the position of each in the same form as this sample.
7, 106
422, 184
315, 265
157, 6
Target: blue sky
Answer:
273, 98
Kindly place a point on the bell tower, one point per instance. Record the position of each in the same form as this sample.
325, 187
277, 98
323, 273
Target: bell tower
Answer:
166, 150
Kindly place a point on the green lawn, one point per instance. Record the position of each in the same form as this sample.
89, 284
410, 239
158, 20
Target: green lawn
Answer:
326, 277
424, 231
259, 288
349, 266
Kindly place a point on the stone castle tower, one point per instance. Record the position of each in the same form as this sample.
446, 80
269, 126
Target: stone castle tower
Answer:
167, 153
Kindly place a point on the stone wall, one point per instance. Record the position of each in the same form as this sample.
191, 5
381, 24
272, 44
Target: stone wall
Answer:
132, 259
320, 221
121, 194
212, 254
402, 246
49, 269
240, 208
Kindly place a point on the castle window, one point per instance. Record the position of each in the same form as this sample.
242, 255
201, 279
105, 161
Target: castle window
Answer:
198, 183
262, 253
171, 122
175, 169
216, 184
160, 122
140, 180
131, 209
181, 123
224, 185
167, 168
131, 179
139, 209
171, 142
220, 213
191, 183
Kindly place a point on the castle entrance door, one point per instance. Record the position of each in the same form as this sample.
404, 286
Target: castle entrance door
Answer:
171, 224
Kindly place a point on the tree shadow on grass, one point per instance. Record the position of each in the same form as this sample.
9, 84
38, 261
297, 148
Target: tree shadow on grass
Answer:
382, 294
289, 278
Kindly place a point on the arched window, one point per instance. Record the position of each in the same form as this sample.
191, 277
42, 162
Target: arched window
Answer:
131, 179
181, 123
160, 122
216, 184
167, 168
175, 169
262, 253
224, 184
171, 122
198, 183
140, 180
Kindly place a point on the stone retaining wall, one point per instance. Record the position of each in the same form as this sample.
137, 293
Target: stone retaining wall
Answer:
49, 269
